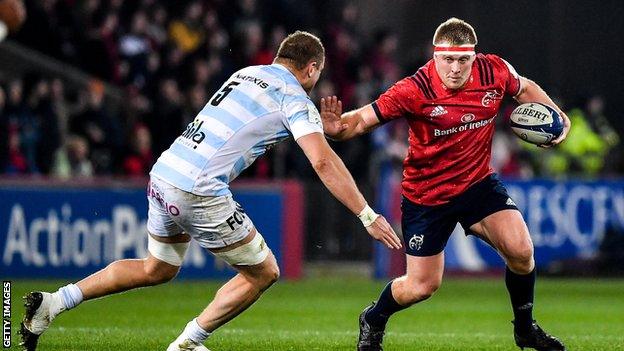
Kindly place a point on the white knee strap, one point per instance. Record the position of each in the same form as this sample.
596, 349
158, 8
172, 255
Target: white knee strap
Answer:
252, 253
172, 253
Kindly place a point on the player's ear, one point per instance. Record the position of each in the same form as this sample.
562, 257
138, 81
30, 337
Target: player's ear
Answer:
310, 68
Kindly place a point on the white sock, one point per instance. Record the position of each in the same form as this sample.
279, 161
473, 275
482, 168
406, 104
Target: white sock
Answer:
71, 296
194, 332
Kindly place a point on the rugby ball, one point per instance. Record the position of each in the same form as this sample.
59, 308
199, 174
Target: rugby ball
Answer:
536, 123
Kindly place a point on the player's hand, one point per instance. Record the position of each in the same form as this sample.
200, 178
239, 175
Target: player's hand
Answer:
382, 231
564, 133
331, 111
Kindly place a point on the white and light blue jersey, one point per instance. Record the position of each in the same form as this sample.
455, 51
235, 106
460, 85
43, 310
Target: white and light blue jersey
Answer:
255, 108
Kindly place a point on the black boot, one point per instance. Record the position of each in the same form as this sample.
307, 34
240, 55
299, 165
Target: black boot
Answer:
537, 339
371, 337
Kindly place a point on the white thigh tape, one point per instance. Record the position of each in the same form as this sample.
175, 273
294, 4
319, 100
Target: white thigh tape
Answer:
252, 253
171, 253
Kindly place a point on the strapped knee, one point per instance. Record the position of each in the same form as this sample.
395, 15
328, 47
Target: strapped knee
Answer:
172, 253
252, 253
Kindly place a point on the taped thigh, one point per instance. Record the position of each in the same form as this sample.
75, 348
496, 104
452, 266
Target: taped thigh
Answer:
172, 253
252, 253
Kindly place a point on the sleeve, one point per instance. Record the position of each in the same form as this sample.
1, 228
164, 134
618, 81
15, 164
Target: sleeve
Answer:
510, 77
396, 102
302, 117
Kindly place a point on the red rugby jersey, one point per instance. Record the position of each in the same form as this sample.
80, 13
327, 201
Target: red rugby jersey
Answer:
450, 135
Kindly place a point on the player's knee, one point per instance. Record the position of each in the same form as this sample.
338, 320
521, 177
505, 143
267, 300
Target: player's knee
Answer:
521, 267
521, 260
426, 290
422, 290
269, 276
160, 273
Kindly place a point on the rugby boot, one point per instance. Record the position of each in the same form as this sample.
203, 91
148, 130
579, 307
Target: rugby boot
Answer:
41, 309
371, 337
183, 343
537, 339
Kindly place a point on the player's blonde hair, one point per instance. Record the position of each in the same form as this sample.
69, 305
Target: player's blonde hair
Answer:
455, 32
300, 48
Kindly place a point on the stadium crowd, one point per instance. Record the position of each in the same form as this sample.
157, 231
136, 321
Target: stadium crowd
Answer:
168, 57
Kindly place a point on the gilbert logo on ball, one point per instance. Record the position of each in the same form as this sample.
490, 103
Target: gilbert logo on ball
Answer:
536, 123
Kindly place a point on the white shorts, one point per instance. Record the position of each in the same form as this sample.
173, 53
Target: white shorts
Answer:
214, 221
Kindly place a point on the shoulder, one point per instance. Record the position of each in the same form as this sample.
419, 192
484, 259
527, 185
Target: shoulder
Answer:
493, 68
417, 85
422, 80
497, 63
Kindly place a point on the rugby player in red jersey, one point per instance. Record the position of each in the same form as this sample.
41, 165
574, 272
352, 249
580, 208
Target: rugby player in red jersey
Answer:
450, 105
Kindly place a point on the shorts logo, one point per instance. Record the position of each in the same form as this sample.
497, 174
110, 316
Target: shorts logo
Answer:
415, 243
237, 218
510, 202
155, 193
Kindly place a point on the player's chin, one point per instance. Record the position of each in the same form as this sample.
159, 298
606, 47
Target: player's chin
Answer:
453, 84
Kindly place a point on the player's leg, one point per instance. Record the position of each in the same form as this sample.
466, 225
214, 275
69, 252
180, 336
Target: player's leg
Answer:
241, 291
257, 271
426, 230
166, 253
498, 222
43, 307
129, 274
231, 236
506, 231
423, 277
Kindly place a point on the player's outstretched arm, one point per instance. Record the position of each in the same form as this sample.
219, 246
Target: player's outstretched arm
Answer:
339, 126
532, 92
340, 183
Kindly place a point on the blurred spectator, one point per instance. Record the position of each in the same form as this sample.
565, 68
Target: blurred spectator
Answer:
47, 138
72, 160
596, 116
99, 129
16, 160
186, 32
157, 25
134, 46
584, 150
24, 123
196, 99
140, 159
165, 121
101, 53
384, 62
60, 105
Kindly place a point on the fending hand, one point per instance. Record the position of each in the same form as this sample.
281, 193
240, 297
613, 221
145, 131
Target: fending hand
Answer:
383, 232
331, 111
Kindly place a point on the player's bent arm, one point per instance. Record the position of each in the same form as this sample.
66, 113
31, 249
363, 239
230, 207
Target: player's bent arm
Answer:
332, 171
360, 121
532, 92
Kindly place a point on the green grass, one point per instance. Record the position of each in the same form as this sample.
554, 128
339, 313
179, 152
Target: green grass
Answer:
465, 314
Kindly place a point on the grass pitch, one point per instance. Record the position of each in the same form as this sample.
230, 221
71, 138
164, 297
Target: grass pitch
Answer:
465, 314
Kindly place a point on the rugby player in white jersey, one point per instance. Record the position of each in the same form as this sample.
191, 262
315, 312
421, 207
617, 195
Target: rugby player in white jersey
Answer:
189, 196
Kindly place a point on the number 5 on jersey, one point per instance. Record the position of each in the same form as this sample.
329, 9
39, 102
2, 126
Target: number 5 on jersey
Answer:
221, 94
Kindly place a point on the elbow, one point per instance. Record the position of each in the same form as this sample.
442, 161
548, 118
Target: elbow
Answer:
321, 165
